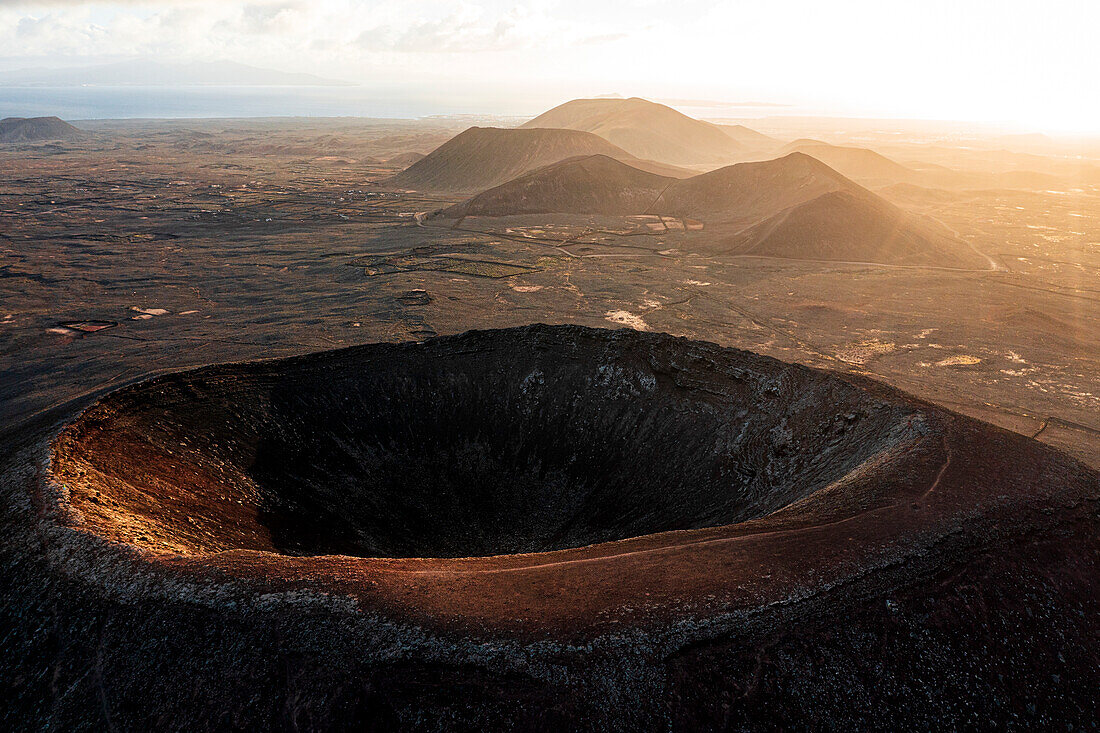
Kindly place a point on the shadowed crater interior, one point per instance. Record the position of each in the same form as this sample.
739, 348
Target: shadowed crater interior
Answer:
521, 440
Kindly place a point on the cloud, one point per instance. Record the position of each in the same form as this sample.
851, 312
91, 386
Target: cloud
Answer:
198, 28
600, 39
466, 31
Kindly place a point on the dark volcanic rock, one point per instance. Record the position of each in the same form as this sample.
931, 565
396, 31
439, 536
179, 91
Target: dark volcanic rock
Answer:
541, 528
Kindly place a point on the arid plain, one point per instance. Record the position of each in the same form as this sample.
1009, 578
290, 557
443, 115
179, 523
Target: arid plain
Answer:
149, 246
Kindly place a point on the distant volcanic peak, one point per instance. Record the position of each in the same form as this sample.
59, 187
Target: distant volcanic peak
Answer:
592, 112
748, 191
799, 207
796, 163
593, 184
855, 226
803, 142
30, 129
796, 166
602, 165
482, 157
855, 162
644, 129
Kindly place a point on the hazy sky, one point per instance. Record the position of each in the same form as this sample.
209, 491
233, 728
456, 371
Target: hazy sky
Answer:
1036, 64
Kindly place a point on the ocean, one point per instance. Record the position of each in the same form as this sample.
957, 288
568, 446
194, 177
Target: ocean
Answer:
393, 101
127, 102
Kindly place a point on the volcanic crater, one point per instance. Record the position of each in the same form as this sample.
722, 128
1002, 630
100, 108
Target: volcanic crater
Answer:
516, 442
542, 498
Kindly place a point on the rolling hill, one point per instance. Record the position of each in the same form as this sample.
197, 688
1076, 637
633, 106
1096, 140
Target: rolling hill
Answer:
483, 157
645, 130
